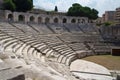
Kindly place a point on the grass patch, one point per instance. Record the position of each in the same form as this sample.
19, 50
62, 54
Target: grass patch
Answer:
108, 61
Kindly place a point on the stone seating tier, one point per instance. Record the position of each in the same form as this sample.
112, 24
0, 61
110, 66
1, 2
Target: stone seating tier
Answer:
39, 38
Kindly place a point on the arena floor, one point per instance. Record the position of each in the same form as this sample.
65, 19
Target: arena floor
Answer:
108, 61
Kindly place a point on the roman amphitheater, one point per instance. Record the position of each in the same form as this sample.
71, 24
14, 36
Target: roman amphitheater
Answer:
43, 46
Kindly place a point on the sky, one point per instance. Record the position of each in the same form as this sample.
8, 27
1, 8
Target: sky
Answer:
64, 5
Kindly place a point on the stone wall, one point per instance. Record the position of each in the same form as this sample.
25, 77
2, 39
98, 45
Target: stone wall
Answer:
42, 18
20, 77
2, 15
111, 32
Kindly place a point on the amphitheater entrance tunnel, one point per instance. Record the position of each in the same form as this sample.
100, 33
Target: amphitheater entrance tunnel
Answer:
115, 52
56, 20
10, 17
21, 18
64, 20
32, 18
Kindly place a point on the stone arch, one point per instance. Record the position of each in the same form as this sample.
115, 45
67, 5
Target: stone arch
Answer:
47, 20
10, 17
64, 20
83, 21
32, 18
56, 20
73, 21
21, 18
79, 20
39, 19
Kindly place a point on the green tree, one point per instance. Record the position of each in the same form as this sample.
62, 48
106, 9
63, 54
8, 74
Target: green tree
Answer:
56, 9
75, 10
18, 5
78, 10
23, 5
107, 23
9, 5
94, 14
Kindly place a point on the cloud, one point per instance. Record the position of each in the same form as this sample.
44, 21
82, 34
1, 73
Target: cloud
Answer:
105, 5
44, 4
63, 5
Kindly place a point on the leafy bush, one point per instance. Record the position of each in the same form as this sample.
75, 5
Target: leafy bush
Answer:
78, 10
9, 5
18, 5
107, 23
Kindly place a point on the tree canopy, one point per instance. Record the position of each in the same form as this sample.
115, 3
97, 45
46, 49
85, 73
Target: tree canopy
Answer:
18, 5
79, 10
9, 5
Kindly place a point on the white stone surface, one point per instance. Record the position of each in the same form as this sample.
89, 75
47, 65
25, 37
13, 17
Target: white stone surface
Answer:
89, 70
1, 61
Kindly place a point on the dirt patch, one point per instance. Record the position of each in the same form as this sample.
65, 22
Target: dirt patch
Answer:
108, 61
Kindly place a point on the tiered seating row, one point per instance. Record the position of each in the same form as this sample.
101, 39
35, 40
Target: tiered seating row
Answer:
34, 40
23, 49
100, 48
21, 36
42, 28
19, 48
80, 38
78, 46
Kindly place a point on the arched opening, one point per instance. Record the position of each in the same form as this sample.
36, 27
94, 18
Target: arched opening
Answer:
21, 18
10, 17
83, 21
64, 20
47, 20
73, 21
32, 19
56, 20
39, 20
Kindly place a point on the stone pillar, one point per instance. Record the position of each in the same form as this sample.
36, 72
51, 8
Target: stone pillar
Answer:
15, 16
60, 19
68, 19
43, 19
50, 19
36, 19
27, 17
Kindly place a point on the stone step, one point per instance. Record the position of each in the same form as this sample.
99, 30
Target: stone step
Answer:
36, 44
10, 73
11, 45
20, 49
63, 58
70, 59
36, 54
16, 47
62, 48
62, 52
5, 38
46, 50
50, 52
24, 52
6, 45
30, 53
41, 46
